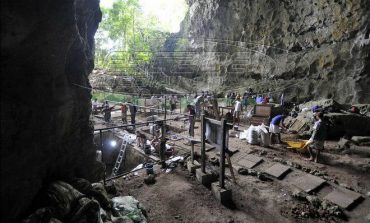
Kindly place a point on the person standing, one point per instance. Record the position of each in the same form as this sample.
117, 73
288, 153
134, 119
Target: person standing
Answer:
275, 124
173, 103
133, 110
124, 113
282, 99
318, 137
107, 112
95, 106
232, 98
197, 102
245, 100
191, 120
237, 111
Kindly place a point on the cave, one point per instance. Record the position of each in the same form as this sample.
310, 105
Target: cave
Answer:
52, 69
47, 52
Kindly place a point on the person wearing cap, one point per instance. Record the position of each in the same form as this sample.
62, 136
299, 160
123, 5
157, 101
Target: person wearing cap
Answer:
318, 137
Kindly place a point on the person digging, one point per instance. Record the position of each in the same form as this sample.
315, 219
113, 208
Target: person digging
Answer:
276, 123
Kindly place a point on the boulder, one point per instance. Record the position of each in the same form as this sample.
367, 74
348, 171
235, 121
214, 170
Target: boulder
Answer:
326, 104
347, 124
361, 140
130, 207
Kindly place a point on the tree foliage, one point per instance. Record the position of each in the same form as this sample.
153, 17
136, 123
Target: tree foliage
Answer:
125, 39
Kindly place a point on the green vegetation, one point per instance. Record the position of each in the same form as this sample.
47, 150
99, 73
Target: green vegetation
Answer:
132, 35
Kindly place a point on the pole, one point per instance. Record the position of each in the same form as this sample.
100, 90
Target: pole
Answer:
101, 139
102, 157
192, 152
162, 145
145, 107
165, 107
222, 154
180, 103
203, 146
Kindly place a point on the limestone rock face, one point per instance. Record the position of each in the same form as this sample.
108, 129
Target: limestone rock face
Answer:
306, 49
47, 52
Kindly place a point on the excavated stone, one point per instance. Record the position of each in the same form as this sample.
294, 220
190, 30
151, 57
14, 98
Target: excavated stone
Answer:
250, 161
342, 197
278, 170
308, 182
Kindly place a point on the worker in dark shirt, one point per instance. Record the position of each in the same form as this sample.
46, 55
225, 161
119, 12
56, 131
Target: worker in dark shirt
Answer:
133, 110
318, 137
107, 111
191, 120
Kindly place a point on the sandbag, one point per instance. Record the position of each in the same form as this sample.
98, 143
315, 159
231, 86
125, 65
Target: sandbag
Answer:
252, 135
264, 135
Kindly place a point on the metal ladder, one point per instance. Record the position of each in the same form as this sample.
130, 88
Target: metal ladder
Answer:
121, 155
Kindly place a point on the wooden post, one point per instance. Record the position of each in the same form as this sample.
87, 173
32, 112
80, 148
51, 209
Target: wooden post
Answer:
180, 104
162, 144
192, 151
165, 107
222, 154
145, 107
231, 167
203, 139
101, 139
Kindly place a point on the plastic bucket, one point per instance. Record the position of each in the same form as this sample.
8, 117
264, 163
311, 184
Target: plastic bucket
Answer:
149, 168
147, 149
169, 151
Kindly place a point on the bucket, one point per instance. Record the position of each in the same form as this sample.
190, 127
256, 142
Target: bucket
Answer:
169, 151
149, 168
147, 149
236, 128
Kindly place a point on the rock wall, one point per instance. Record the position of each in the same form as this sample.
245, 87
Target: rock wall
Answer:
308, 49
47, 51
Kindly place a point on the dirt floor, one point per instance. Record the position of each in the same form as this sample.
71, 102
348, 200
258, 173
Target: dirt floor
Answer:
178, 197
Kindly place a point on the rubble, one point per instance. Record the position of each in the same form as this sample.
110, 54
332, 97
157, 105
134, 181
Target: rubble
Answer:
347, 146
314, 207
128, 206
150, 179
340, 121
260, 175
85, 202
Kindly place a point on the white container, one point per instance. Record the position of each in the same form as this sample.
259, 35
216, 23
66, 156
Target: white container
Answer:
99, 156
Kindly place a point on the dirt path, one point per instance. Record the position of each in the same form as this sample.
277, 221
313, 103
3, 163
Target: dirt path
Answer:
177, 197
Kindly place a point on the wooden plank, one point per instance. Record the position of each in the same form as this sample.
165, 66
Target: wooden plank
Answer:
262, 110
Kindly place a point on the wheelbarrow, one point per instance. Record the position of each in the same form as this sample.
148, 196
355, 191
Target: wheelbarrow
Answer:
296, 145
